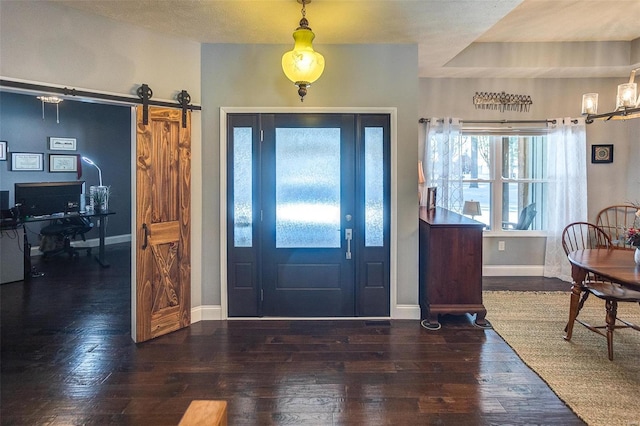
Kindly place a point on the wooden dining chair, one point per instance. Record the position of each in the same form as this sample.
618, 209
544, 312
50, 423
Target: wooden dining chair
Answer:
614, 220
583, 235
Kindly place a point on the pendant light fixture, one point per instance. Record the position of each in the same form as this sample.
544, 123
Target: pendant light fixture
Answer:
303, 65
51, 100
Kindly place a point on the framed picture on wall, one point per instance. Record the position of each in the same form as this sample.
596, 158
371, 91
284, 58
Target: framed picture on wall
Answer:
63, 163
602, 153
431, 197
62, 144
3, 150
27, 162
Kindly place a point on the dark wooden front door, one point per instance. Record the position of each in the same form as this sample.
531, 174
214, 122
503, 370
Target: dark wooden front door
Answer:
308, 209
309, 217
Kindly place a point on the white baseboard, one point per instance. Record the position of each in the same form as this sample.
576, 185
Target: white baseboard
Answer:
512, 270
411, 312
206, 313
214, 313
93, 242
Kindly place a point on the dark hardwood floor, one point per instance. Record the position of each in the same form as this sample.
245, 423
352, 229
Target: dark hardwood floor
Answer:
67, 358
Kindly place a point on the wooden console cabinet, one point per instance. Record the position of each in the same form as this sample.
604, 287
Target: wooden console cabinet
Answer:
450, 276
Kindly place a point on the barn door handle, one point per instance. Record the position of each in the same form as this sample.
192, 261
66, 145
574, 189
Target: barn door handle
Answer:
146, 235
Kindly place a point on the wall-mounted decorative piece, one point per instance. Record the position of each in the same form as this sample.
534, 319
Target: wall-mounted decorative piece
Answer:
502, 101
62, 144
27, 162
63, 163
602, 153
3, 150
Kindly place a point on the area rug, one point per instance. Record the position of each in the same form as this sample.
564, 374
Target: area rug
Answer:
599, 391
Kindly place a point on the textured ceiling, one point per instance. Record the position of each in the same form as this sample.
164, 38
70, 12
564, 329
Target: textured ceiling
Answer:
452, 35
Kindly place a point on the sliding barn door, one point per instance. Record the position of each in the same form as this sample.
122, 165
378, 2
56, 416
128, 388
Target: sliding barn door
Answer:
163, 264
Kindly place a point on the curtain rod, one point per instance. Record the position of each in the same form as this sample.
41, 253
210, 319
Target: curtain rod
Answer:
427, 120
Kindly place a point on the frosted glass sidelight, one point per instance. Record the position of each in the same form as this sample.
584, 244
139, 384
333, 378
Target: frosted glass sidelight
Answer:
308, 188
242, 184
373, 187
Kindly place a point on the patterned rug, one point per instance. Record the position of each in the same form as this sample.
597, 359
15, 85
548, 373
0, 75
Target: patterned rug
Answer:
600, 391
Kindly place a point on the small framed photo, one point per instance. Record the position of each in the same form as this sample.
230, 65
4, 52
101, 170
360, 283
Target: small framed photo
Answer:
27, 162
63, 163
431, 197
62, 144
602, 153
3, 150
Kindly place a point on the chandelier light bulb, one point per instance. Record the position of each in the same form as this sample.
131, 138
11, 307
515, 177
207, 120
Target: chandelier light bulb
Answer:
589, 103
626, 95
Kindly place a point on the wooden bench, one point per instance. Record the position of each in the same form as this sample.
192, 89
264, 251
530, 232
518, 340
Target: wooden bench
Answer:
204, 412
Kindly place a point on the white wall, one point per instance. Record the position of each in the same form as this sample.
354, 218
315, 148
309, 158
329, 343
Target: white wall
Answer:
45, 42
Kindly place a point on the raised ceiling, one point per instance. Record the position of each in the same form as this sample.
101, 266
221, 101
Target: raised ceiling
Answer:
455, 38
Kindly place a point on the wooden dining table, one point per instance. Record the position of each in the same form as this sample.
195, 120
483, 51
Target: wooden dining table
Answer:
613, 265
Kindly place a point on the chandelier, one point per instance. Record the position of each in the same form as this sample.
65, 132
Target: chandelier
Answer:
51, 100
627, 102
303, 65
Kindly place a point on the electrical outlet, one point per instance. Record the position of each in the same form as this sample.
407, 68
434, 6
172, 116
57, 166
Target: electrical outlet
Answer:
500, 245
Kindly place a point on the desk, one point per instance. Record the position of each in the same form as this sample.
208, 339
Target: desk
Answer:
614, 265
101, 216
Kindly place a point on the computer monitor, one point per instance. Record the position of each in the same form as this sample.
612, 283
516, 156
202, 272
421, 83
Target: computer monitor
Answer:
45, 198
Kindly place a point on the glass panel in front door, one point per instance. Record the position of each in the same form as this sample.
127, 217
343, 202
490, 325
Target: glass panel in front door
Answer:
374, 186
308, 188
242, 186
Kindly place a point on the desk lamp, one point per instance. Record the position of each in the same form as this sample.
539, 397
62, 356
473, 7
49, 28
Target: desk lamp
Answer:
104, 203
90, 161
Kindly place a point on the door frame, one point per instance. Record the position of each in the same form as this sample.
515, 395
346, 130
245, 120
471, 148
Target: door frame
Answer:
393, 241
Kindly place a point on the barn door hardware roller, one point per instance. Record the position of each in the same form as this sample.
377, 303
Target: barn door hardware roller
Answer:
184, 99
145, 93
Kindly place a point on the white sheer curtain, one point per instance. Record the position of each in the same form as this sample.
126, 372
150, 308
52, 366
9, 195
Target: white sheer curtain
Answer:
443, 165
566, 199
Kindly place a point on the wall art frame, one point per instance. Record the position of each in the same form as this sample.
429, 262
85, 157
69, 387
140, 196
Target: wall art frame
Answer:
65, 163
431, 197
602, 153
3, 150
62, 144
27, 162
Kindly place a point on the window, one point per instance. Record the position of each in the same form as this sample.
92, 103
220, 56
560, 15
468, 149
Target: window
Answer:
504, 171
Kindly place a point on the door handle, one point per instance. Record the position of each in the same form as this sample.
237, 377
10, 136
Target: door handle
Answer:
146, 235
348, 235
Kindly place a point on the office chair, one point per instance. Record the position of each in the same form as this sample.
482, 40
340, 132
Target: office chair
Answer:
524, 221
56, 237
